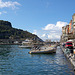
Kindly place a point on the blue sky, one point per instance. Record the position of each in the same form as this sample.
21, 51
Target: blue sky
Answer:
44, 18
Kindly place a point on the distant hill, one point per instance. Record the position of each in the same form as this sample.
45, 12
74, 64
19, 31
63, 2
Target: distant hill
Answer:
7, 31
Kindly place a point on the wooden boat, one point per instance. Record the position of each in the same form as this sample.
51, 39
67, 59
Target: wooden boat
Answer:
43, 51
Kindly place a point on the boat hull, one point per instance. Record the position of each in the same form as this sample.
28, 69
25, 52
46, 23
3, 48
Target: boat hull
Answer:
43, 51
25, 46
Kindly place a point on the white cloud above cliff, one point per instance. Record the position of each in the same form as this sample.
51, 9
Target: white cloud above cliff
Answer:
35, 32
60, 24
56, 26
51, 31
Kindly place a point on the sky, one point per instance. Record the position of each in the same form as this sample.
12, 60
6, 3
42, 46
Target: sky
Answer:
45, 18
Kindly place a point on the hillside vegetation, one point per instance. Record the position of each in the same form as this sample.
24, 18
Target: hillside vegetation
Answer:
7, 31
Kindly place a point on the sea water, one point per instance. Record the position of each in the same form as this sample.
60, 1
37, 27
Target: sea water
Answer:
17, 61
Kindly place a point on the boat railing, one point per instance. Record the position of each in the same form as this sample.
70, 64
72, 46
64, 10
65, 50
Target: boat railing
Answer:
43, 48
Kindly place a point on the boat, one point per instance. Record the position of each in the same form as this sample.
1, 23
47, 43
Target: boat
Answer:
44, 50
29, 44
26, 44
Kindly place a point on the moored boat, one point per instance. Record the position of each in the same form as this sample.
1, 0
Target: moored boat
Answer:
23, 46
46, 50
26, 44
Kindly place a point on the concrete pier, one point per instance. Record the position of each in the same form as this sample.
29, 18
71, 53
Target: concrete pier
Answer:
70, 58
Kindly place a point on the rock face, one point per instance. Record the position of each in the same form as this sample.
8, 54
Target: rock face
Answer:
8, 32
5, 23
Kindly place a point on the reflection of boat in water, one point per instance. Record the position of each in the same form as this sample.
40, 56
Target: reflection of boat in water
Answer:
45, 50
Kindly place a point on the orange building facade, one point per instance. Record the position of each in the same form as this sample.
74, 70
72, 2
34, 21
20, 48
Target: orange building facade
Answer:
68, 31
70, 24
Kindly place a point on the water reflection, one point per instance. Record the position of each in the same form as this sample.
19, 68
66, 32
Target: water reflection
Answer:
53, 63
4, 50
6, 58
16, 61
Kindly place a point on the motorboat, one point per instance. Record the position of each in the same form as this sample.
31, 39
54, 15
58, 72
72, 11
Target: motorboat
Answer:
43, 50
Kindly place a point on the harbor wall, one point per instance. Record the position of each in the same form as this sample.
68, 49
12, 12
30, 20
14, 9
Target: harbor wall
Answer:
71, 58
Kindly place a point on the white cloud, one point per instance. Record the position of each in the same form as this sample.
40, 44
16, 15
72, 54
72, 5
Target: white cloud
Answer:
49, 27
2, 12
35, 32
50, 36
8, 4
43, 35
54, 36
51, 31
58, 25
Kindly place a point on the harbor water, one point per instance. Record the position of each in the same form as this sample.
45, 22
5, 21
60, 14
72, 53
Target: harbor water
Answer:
17, 61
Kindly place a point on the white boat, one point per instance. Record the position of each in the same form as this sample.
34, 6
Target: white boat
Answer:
46, 50
26, 44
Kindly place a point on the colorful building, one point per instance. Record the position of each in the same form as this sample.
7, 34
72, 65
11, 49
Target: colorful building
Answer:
70, 24
73, 24
68, 31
